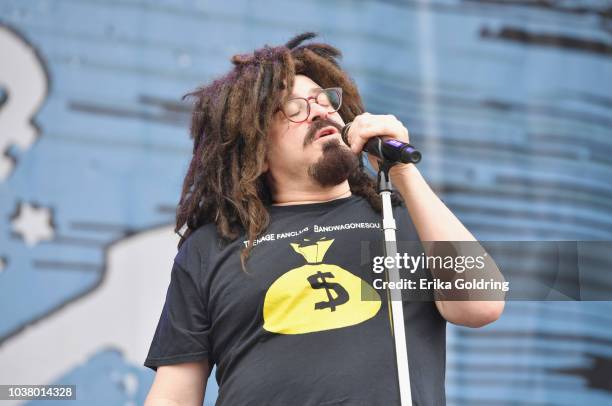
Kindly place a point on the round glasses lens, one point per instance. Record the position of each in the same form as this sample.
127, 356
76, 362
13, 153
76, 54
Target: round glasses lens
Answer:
296, 110
329, 98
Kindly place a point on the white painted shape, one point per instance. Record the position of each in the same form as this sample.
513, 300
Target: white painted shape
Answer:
121, 313
23, 77
33, 224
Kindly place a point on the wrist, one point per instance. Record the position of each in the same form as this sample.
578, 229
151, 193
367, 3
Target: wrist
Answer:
402, 171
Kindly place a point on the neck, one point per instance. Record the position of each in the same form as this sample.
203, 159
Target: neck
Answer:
313, 194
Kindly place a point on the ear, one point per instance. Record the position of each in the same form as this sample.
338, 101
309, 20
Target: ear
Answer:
266, 166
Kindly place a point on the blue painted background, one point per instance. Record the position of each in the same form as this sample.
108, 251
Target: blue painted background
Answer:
511, 104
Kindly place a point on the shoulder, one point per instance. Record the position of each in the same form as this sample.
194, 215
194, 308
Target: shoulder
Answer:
196, 247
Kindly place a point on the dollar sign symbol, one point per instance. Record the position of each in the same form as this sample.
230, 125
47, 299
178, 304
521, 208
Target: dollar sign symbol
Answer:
318, 281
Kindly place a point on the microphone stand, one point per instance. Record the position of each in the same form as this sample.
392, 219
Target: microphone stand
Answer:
388, 222
396, 303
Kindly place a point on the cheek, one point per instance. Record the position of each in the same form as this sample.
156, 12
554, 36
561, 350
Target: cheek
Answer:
336, 117
285, 145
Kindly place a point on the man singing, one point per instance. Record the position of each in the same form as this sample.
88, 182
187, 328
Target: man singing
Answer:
268, 282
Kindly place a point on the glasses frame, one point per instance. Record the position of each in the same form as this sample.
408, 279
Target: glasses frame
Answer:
338, 91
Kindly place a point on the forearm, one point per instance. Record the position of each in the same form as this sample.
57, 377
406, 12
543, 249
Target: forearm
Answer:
435, 222
160, 402
432, 219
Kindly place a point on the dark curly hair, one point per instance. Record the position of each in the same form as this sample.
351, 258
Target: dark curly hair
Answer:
225, 182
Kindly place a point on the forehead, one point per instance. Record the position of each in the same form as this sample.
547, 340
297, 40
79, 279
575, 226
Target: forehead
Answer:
303, 86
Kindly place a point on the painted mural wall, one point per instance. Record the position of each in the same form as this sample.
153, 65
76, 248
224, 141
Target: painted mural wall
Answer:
510, 102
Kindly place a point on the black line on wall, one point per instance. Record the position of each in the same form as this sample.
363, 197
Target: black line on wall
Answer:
560, 41
65, 265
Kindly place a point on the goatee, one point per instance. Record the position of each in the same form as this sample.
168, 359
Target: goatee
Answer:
335, 165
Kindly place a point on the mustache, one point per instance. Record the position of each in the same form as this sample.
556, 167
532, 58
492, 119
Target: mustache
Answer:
316, 126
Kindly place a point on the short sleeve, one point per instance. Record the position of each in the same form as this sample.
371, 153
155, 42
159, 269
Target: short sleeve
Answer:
182, 333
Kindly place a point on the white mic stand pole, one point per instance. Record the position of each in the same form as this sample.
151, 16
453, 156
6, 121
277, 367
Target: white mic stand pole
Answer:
396, 304
397, 310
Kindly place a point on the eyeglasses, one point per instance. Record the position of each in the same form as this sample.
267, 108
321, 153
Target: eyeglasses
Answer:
298, 109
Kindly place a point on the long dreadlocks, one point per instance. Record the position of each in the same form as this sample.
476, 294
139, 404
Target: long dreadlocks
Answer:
225, 182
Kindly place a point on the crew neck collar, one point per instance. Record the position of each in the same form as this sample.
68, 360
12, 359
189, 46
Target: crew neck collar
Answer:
317, 205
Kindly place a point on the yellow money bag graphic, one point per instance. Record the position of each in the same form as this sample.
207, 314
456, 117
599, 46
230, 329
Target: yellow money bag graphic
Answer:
317, 296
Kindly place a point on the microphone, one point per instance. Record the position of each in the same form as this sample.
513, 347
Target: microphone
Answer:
391, 151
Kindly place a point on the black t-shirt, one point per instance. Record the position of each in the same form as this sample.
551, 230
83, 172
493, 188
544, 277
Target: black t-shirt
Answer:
293, 329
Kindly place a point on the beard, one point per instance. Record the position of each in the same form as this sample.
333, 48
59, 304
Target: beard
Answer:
335, 164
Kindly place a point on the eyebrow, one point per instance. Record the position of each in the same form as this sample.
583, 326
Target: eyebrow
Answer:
311, 91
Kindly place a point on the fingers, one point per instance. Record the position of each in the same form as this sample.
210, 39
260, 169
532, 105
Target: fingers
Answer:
366, 126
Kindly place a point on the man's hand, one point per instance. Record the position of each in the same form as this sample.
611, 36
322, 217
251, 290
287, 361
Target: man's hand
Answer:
366, 126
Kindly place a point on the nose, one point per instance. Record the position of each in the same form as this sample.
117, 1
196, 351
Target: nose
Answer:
317, 111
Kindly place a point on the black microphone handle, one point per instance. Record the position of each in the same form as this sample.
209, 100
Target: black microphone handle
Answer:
387, 150
392, 150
